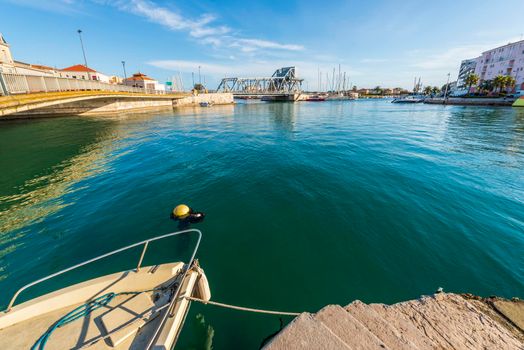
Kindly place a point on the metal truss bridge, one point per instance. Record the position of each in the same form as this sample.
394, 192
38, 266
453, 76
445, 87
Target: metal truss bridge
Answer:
283, 82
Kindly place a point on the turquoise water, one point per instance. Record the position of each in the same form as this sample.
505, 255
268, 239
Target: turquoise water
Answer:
307, 204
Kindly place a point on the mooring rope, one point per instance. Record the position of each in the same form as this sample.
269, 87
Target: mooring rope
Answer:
85, 309
229, 306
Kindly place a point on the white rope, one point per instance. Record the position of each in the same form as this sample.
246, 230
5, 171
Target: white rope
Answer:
228, 306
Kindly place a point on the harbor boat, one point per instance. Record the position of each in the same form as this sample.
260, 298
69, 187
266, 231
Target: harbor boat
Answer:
206, 104
140, 308
409, 99
315, 98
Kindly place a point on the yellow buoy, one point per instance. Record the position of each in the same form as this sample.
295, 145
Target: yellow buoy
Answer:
181, 211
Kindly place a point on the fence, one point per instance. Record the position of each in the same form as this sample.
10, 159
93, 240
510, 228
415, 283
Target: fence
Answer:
11, 83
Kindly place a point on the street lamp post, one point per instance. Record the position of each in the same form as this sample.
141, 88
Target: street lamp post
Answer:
83, 51
124, 66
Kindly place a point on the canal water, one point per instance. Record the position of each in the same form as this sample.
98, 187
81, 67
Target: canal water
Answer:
307, 204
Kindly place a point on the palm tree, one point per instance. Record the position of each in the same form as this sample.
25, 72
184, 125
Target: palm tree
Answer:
500, 82
435, 90
427, 90
510, 82
471, 79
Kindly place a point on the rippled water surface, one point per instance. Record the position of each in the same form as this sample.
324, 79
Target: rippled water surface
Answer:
307, 203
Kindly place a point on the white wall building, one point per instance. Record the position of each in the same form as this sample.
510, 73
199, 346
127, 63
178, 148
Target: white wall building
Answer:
6, 59
467, 67
79, 71
143, 81
9, 65
503, 60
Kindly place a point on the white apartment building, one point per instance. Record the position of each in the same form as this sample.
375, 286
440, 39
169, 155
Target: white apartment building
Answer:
467, 67
503, 60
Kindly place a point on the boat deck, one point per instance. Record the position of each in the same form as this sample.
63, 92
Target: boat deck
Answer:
86, 330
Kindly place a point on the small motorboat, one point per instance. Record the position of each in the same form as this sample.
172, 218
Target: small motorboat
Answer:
141, 308
206, 104
315, 98
409, 99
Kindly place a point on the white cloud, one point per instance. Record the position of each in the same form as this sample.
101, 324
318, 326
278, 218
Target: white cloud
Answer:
264, 44
202, 28
373, 60
452, 57
447, 59
172, 20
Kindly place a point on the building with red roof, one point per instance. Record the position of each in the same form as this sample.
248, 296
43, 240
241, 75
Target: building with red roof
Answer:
143, 81
80, 71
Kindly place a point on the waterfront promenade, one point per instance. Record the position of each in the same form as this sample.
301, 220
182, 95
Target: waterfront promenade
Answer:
461, 101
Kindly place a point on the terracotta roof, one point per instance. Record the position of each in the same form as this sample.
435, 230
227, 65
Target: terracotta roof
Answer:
78, 68
139, 76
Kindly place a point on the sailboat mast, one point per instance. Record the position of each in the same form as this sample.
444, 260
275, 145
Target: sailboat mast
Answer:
333, 81
318, 79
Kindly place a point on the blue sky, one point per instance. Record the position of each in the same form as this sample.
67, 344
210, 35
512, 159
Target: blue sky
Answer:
384, 43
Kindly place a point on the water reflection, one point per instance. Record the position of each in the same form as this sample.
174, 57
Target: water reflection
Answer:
283, 115
82, 149
42, 195
486, 129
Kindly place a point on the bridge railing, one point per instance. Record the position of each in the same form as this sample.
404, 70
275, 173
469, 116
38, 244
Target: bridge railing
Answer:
12, 83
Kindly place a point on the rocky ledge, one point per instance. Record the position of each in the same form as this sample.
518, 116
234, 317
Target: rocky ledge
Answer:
440, 321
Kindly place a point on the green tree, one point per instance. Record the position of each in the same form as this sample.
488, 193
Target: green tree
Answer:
510, 82
378, 90
435, 90
471, 79
487, 85
428, 90
199, 87
499, 82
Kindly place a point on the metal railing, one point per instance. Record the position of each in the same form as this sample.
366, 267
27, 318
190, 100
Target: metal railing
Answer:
145, 243
12, 83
